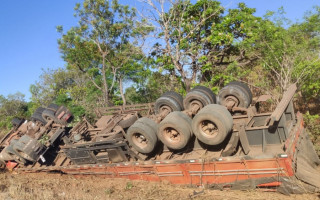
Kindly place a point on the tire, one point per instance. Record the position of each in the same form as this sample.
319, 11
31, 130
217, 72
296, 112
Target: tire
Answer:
53, 107
176, 96
9, 150
126, 123
37, 116
175, 130
244, 86
28, 148
149, 122
4, 156
208, 92
215, 122
17, 122
223, 111
166, 103
49, 115
196, 97
234, 93
142, 138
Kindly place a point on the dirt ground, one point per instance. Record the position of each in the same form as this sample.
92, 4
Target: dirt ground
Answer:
56, 186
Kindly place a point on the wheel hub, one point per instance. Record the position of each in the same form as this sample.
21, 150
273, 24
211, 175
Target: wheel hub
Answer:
209, 128
172, 135
231, 101
140, 140
195, 106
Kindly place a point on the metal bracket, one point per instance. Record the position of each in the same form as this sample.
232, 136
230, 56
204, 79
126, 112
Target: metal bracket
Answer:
287, 96
243, 138
232, 145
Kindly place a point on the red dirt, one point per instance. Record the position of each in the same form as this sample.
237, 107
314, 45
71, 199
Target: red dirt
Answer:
56, 186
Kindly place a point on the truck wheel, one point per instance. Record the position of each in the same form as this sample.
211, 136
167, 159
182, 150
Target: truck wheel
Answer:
210, 127
149, 122
28, 148
244, 86
37, 116
24, 155
128, 121
53, 107
196, 97
142, 138
49, 115
166, 104
208, 92
5, 156
9, 150
234, 94
176, 96
227, 117
175, 130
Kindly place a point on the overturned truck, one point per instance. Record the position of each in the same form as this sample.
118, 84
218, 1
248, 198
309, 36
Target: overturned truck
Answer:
217, 142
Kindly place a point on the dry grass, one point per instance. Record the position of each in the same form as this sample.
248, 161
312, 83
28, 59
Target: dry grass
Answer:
54, 186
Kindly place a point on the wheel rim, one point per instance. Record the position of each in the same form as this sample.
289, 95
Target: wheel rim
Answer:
165, 109
47, 118
195, 105
140, 140
171, 135
231, 100
208, 128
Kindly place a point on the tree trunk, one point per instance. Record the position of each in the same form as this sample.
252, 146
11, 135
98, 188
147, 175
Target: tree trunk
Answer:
105, 90
121, 92
187, 83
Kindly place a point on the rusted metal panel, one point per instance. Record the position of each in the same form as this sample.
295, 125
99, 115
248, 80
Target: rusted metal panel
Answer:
287, 96
214, 172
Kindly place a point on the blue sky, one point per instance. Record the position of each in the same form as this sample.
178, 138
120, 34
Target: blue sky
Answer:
28, 37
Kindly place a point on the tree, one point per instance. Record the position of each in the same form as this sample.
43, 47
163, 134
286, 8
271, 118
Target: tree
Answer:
63, 87
289, 55
150, 86
195, 38
104, 44
11, 106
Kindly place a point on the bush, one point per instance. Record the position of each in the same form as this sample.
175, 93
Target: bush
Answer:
312, 124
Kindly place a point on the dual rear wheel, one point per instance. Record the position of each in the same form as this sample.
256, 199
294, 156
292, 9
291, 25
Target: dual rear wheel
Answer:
142, 135
211, 123
175, 130
235, 94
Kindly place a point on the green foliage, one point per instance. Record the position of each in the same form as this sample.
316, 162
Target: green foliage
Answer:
11, 106
312, 123
44, 139
151, 86
129, 186
64, 99
288, 52
63, 87
105, 46
202, 44
202, 37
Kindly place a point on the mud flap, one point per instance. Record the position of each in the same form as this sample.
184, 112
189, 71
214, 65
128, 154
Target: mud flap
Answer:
307, 163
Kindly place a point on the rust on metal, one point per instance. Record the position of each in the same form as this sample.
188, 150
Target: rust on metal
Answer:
261, 149
287, 97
